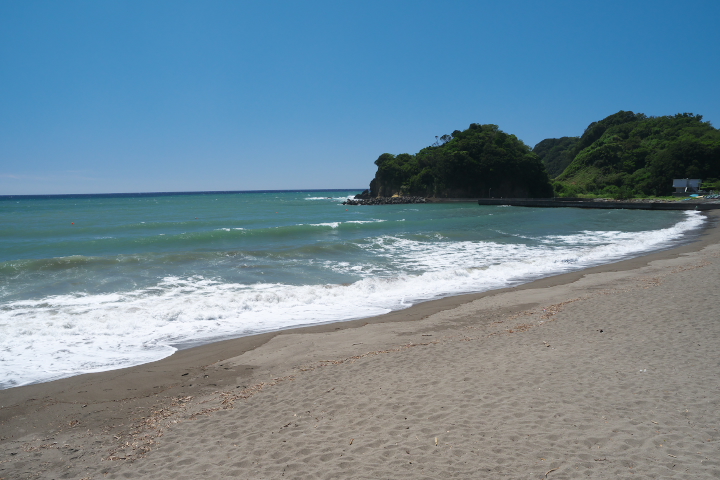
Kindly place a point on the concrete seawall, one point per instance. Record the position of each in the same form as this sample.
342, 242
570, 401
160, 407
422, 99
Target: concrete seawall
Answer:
607, 204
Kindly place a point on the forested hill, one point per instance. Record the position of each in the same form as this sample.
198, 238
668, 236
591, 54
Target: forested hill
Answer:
481, 161
630, 153
555, 153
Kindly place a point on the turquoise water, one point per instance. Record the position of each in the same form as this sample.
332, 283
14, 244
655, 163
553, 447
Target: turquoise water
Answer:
96, 283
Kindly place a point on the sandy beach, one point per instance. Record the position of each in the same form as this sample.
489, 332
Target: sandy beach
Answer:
609, 372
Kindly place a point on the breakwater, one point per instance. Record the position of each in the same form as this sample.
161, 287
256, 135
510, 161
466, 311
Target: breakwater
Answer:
384, 200
639, 204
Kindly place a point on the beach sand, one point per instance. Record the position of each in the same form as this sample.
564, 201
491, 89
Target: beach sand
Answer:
609, 372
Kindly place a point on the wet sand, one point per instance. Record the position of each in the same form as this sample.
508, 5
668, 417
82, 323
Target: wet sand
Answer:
612, 371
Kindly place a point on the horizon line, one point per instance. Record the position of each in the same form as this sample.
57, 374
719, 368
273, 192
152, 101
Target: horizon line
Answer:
150, 194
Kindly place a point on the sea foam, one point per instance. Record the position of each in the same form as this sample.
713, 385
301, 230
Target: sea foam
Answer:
62, 335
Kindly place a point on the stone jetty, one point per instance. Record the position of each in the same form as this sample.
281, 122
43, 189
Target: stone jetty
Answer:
384, 200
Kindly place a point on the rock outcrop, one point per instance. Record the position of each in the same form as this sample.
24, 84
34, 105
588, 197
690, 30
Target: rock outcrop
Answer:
383, 200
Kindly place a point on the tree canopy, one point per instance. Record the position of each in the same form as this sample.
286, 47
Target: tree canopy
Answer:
481, 161
630, 154
622, 155
556, 153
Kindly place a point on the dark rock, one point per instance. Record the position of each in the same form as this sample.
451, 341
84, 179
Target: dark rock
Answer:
384, 200
363, 196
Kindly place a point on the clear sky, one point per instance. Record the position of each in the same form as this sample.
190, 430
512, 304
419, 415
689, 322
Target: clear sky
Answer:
137, 96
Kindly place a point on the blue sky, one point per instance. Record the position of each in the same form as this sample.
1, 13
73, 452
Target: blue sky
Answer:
138, 96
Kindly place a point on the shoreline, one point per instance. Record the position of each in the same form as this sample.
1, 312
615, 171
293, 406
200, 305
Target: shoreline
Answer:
108, 401
242, 344
429, 307
414, 312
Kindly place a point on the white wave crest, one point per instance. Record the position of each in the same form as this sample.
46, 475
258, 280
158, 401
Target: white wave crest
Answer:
64, 335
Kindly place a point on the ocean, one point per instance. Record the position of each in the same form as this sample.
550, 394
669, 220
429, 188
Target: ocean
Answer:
94, 283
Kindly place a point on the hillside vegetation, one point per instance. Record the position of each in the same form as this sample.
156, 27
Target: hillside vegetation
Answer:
629, 154
624, 155
481, 161
556, 153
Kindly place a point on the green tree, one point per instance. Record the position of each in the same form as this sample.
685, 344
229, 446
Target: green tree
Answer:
471, 163
641, 154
